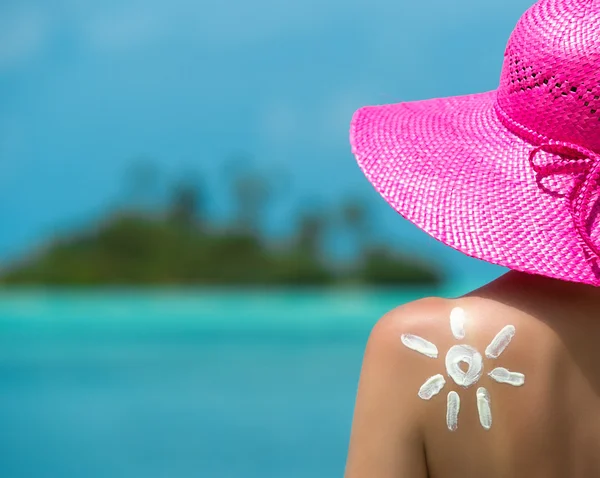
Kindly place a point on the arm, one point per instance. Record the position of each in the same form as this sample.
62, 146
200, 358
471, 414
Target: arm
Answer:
386, 439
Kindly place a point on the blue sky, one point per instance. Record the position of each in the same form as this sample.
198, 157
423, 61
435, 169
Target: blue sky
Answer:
86, 87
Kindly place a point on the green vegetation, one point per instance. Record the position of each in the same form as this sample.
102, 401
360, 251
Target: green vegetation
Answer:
176, 245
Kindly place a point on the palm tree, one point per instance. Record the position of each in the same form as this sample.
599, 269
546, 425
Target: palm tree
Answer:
354, 217
311, 232
142, 184
185, 203
251, 192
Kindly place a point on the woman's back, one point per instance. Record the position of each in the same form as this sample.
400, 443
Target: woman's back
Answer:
547, 426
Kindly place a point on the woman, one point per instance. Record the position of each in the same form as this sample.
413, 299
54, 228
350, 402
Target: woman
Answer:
505, 381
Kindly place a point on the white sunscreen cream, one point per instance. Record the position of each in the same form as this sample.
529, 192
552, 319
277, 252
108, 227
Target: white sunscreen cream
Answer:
432, 386
467, 376
500, 342
483, 407
457, 322
502, 375
471, 357
419, 344
452, 410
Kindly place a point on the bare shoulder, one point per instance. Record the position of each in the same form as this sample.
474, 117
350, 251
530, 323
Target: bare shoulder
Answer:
420, 313
420, 347
437, 369
433, 313
402, 344
387, 431
390, 338
446, 321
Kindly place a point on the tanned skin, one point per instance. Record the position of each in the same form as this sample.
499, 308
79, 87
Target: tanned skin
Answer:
547, 428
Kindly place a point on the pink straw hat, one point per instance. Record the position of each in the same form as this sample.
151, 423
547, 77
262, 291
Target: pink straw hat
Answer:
510, 176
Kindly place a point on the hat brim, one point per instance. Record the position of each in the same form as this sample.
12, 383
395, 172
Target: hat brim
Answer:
452, 168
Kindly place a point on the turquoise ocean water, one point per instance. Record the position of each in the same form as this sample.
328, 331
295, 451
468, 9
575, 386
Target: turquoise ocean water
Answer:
177, 384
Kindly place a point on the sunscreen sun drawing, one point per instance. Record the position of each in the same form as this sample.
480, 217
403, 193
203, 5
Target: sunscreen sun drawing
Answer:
457, 355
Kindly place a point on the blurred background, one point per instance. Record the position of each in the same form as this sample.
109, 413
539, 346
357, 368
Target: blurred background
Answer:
190, 259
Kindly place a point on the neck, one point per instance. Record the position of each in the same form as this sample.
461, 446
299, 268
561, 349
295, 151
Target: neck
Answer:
519, 285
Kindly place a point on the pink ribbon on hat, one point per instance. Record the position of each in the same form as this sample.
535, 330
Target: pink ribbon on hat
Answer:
586, 166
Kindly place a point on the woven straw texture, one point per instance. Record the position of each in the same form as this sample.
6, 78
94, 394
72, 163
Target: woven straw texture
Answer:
509, 176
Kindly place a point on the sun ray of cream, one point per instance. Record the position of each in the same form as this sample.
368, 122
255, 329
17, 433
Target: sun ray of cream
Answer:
432, 386
452, 410
457, 322
502, 375
484, 408
500, 342
419, 344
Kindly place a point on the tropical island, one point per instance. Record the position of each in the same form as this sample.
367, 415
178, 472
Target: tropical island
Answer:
174, 244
